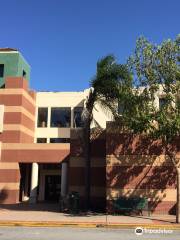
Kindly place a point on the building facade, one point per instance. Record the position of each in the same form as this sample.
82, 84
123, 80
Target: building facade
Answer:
41, 148
37, 129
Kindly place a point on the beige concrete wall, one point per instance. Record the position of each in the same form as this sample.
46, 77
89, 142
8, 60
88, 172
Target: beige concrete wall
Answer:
66, 99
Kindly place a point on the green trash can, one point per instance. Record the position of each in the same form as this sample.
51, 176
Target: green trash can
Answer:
73, 202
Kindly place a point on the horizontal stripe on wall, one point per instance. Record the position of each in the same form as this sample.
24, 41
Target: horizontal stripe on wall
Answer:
26, 104
34, 155
17, 91
138, 160
25, 138
9, 196
19, 118
98, 149
151, 194
21, 109
16, 82
95, 191
6, 165
15, 137
80, 162
128, 144
17, 100
10, 136
18, 127
9, 175
98, 176
9, 186
157, 177
35, 146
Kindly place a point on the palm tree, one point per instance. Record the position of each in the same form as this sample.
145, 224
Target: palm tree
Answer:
104, 90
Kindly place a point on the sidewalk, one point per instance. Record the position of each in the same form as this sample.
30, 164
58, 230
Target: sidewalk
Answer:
49, 215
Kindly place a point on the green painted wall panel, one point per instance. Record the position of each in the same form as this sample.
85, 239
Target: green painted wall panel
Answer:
14, 64
10, 61
23, 65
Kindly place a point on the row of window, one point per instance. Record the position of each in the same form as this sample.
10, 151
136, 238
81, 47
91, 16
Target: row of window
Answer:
60, 117
53, 140
162, 102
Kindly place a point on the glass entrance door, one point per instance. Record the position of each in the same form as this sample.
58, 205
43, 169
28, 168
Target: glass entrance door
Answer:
52, 188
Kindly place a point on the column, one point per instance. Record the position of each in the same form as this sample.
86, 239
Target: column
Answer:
34, 183
49, 117
26, 183
64, 172
72, 117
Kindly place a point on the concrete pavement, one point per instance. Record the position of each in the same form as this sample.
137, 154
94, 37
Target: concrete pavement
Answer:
49, 215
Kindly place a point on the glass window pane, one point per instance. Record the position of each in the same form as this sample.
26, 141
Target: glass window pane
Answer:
59, 140
41, 140
77, 121
61, 117
42, 117
1, 70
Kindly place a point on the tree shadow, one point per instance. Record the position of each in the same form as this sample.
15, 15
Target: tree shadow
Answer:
26, 206
137, 166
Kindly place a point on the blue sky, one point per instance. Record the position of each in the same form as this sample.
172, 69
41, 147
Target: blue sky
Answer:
63, 39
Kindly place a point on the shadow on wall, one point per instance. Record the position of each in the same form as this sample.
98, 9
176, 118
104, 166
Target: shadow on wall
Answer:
139, 170
3, 195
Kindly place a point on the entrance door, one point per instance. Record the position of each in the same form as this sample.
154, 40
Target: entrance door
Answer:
52, 188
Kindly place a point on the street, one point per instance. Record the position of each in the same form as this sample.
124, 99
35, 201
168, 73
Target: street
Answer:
54, 233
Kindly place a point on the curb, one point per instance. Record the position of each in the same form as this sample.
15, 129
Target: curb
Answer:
86, 225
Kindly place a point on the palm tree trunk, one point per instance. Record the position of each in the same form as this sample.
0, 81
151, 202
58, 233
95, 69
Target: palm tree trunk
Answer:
87, 155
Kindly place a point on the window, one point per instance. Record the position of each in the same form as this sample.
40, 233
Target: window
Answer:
42, 117
61, 117
162, 102
24, 74
1, 70
77, 121
41, 140
59, 140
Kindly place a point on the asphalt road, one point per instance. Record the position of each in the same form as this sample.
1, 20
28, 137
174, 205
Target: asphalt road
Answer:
54, 233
